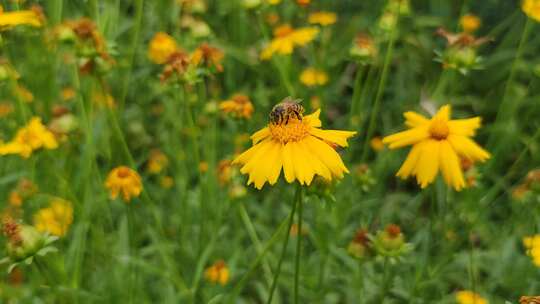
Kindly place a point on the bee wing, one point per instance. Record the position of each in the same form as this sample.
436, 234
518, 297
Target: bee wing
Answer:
291, 100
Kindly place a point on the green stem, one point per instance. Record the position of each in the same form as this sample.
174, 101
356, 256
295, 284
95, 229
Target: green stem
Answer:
357, 90
298, 245
284, 249
380, 89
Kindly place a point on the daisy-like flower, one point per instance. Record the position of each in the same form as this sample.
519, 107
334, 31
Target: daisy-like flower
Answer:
469, 297
532, 246
54, 219
26, 17
209, 56
29, 138
313, 77
157, 162
161, 47
238, 106
438, 144
287, 38
125, 180
295, 143
217, 273
322, 18
531, 8
470, 23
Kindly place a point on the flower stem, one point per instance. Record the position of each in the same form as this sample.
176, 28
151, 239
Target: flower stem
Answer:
298, 245
380, 88
360, 71
284, 249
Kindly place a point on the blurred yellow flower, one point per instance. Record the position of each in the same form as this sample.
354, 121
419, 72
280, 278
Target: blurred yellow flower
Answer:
161, 47
273, 2
303, 2
6, 108
532, 247
217, 273
55, 219
156, 162
28, 17
15, 199
239, 106
68, 93
29, 138
203, 167
312, 77
125, 180
166, 182
287, 38
322, 18
209, 56
470, 23
224, 171
295, 143
532, 9
438, 143
376, 143
469, 297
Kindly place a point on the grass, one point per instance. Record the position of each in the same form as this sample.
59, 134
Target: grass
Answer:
159, 247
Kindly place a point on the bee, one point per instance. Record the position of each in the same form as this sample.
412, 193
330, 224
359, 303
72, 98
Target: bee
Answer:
529, 300
286, 109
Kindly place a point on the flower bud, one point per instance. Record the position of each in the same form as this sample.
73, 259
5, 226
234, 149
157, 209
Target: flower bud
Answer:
27, 242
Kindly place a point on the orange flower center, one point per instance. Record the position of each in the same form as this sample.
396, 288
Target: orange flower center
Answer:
294, 130
283, 31
123, 173
439, 129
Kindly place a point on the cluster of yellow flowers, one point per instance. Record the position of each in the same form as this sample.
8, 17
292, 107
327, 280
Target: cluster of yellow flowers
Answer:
218, 273
313, 77
30, 138
286, 38
238, 105
55, 219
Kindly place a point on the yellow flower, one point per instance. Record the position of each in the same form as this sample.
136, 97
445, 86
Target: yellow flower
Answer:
531, 8
532, 246
68, 93
376, 143
161, 47
470, 23
125, 180
287, 38
438, 143
239, 106
469, 297
208, 55
29, 138
273, 2
312, 77
11, 19
54, 219
296, 144
303, 2
217, 273
166, 182
322, 18
156, 162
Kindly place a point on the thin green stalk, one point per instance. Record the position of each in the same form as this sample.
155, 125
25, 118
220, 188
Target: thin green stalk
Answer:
298, 195
380, 89
357, 90
255, 239
298, 246
502, 112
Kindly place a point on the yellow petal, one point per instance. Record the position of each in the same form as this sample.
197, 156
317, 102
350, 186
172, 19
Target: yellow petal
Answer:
247, 155
413, 119
468, 148
260, 135
464, 127
275, 163
318, 166
410, 163
313, 119
428, 163
327, 155
405, 138
288, 163
337, 137
443, 113
450, 166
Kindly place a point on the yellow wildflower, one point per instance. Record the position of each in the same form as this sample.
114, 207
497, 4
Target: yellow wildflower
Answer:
303, 2
55, 219
156, 162
224, 171
29, 138
273, 2
376, 143
438, 143
322, 18
6, 108
217, 273
470, 23
166, 182
312, 77
469, 297
287, 38
531, 8
238, 105
295, 143
532, 246
208, 55
68, 93
125, 180
15, 199
26, 17
161, 47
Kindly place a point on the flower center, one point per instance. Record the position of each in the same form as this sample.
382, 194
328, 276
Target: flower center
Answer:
439, 129
293, 130
123, 173
283, 31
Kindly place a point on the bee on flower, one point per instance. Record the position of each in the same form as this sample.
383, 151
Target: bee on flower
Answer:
312, 77
287, 38
125, 181
54, 219
295, 143
238, 105
322, 18
469, 297
32, 137
217, 273
531, 8
161, 47
438, 144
